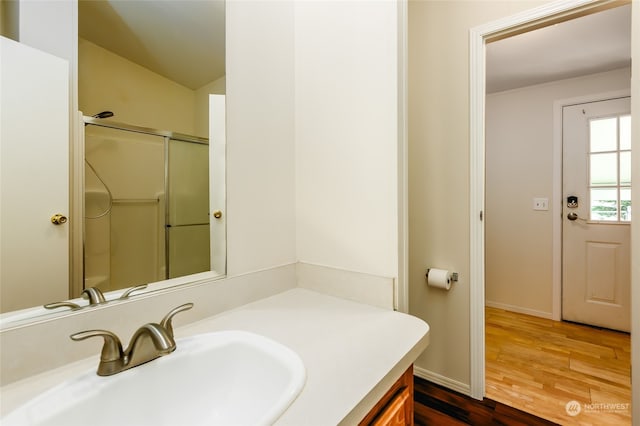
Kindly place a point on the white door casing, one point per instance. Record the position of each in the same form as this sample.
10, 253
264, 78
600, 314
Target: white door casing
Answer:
596, 254
217, 179
34, 176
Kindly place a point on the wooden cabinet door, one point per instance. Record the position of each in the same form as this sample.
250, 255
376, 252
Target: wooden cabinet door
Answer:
395, 408
396, 412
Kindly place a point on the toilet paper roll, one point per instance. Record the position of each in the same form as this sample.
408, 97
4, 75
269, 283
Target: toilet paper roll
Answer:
439, 278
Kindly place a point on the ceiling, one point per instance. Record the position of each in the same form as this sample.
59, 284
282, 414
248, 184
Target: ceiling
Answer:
182, 40
587, 45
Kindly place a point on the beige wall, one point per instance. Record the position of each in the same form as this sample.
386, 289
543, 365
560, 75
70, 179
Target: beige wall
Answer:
136, 95
439, 172
438, 179
139, 96
519, 166
9, 20
216, 87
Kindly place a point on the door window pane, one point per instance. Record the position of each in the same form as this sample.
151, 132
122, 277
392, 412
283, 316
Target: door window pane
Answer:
610, 168
603, 134
604, 205
625, 132
604, 169
625, 205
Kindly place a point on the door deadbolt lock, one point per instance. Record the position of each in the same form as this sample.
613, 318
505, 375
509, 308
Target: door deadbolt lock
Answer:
217, 214
58, 219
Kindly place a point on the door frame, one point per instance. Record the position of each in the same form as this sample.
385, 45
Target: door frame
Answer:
558, 105
548, 14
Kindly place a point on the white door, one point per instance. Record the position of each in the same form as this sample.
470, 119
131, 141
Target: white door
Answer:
596, 270
34, 176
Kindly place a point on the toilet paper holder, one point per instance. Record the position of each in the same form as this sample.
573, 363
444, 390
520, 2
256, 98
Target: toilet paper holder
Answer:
454, 275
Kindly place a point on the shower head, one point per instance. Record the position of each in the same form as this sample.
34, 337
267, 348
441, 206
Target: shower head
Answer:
103, 114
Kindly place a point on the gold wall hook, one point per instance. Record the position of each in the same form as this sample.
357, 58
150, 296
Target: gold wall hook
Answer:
58, 219
217, 214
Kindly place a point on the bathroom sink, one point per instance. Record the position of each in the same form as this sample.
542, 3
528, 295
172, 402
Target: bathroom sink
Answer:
221, 378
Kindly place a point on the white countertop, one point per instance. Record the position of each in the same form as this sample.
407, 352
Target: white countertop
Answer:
352, 352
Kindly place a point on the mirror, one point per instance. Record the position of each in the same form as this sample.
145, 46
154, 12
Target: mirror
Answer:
155, 65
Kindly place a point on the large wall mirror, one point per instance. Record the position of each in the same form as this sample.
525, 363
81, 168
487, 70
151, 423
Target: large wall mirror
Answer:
150, 77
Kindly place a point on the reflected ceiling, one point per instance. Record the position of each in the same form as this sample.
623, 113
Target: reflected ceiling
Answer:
165, 36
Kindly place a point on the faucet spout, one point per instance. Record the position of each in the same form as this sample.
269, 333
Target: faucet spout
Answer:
149, 342
94, 295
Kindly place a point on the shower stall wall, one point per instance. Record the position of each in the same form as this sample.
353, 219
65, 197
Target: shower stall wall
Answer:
146, 205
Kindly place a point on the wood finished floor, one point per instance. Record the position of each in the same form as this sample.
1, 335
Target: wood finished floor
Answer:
435, 405
538, 366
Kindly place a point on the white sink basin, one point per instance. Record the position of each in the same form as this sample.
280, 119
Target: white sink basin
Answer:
222, 378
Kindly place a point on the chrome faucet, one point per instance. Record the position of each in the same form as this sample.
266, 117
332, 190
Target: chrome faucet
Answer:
149, 342
95, 296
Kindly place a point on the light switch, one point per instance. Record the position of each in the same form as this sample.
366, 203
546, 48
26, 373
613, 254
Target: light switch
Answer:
541, 204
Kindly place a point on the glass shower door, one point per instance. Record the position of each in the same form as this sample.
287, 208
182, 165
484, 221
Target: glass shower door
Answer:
188, 208
124, 208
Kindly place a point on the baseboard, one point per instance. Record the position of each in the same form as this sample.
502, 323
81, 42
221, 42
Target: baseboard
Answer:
442, 380
519, 310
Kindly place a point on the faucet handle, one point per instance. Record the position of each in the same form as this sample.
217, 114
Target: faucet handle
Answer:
166, 321
55, 305
112, 348
127, 293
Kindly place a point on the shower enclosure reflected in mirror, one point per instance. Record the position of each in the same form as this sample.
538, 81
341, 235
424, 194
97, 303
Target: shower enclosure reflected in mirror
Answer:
146, 205
155, 64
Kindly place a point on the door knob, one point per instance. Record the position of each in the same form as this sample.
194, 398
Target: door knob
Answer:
217, 214
58, 219
572, 216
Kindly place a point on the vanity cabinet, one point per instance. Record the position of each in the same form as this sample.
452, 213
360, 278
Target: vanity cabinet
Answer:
395, 408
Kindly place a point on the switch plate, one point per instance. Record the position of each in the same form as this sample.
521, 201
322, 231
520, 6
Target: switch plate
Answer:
541, 204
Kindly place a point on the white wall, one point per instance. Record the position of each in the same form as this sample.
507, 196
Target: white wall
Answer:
519, 167
346, 135
260, 136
